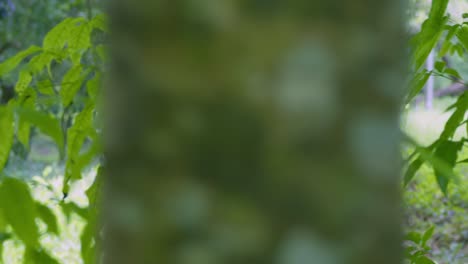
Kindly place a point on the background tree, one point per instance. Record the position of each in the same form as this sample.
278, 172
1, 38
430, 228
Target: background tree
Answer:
253, 132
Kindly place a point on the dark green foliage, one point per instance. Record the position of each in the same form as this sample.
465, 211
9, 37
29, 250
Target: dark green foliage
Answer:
447, 152
20, 210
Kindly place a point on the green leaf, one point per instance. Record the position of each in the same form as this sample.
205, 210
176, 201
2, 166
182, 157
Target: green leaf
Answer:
427, 235
3, 222
76, 134
7, 130
46, 214
38, 256
446, 151
88, 156
462, 35
71, 83
88, 244
24, 132
102, 52
41, 61
48, 124
13, 62
99, 22
93, 193
414, 237
456, 118
23, 82
69, 208
88, 236
20, 210
416, 84
431, 29
80, 37
440, 66
423, 260
460, 50
46, 87
60, 35
411, 170
447, 44
24, 127
93, 86
452, 72
409, 250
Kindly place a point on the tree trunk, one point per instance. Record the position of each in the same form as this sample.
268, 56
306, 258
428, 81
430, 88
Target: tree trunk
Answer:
429, 89
253, 132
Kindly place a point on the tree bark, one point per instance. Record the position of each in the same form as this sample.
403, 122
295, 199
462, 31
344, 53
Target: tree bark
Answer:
251, 132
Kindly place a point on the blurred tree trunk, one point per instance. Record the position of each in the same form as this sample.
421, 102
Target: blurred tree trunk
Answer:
429, 89
254, 132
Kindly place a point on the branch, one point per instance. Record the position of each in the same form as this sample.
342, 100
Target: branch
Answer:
452, 90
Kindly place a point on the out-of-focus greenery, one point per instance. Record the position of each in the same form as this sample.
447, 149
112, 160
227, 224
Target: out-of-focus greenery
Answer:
25, 22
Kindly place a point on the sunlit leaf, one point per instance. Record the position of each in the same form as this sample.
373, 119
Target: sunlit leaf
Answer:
41, 61
76, 135
47, 123
99, 22
93, 86
10, 64
71, 83
24, 126
56, 39
23, 82
46, 87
